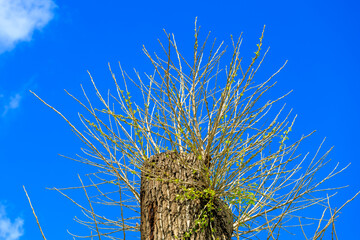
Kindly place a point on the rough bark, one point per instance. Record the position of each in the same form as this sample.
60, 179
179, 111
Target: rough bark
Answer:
163, 216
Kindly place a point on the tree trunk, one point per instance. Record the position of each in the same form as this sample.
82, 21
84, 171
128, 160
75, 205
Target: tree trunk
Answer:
165, 216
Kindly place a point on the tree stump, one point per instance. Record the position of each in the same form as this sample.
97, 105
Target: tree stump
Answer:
163, 215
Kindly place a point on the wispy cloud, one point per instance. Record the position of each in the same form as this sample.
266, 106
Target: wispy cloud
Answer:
13, 103
10, 101
10, 230
20, 18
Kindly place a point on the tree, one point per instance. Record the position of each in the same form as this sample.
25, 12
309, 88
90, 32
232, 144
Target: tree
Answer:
202, 157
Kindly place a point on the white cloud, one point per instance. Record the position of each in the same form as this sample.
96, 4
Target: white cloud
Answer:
10, 230
13, 103
19, 19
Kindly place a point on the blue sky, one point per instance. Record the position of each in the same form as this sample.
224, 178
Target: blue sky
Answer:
48, 46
